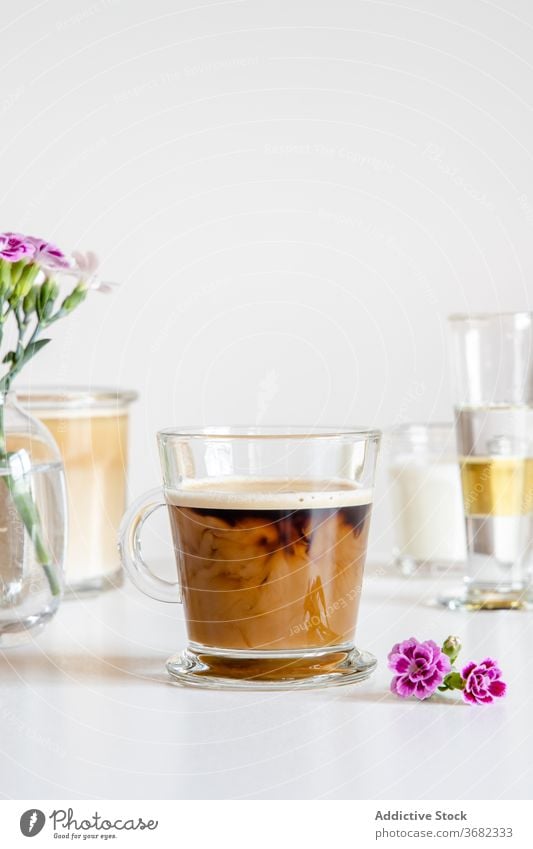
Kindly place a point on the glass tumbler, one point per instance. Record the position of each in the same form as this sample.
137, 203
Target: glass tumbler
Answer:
90, 426
425, 490
492, 357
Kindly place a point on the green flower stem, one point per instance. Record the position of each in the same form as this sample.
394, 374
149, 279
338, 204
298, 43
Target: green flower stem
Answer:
19, 487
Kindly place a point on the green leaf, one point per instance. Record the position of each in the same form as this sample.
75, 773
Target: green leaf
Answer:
33, 348
9, 357
454, 681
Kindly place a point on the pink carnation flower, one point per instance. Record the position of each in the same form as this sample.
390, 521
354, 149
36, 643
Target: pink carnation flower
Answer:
483, 682
86, 269
420, 668
15, 246
47, 254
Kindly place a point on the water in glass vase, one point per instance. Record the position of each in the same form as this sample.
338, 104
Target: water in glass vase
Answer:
32, 525
27, 601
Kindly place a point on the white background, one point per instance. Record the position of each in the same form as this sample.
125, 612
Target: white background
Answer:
293, 195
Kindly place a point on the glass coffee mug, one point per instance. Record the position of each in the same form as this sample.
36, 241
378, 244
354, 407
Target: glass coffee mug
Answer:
270, 529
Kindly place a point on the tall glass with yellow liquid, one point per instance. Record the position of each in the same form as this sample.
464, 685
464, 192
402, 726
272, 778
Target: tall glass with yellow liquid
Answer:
91, 431
493, 359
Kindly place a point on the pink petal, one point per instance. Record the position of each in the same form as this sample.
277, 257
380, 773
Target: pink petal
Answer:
468, 697
93, 262
444, 664
423, 692
80, 260
497, 689
403, 686
401, 665
468, 669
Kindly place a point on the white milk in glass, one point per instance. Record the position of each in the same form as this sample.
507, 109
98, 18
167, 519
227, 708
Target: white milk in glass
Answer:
425, 491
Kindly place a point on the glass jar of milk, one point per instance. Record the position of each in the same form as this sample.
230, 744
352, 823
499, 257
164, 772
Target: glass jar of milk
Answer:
425, 489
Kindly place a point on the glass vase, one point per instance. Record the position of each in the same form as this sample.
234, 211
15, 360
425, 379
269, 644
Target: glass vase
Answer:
32, 524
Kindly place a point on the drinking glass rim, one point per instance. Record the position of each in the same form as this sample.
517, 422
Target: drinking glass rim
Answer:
268, 432
489, 316
47, 397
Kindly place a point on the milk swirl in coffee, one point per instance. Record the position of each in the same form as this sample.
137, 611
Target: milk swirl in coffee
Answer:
270, 564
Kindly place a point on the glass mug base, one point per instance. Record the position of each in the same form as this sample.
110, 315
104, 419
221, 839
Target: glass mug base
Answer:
94, 586
208, 668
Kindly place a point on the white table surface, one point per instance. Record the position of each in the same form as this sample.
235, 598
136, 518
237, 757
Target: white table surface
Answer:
87, 711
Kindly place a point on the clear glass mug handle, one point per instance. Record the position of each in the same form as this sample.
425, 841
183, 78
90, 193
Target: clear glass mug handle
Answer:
129, 544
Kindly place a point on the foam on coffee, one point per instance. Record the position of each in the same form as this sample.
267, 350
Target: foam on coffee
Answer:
268, 494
